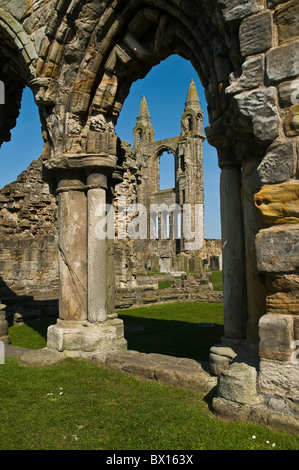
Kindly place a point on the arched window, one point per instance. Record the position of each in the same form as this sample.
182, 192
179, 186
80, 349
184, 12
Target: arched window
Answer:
166, 170
189, 123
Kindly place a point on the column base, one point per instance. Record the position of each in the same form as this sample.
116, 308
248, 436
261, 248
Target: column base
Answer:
232, 350
87, 340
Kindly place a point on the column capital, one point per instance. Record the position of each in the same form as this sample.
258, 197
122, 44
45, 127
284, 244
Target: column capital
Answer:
72, 163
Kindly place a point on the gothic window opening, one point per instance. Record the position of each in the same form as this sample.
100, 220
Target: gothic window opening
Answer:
189, 123
166, 170
139, 136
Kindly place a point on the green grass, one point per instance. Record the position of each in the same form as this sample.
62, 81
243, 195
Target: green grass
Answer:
164, 284
173, 328
217, 280
32, 336
79, 405
170, 328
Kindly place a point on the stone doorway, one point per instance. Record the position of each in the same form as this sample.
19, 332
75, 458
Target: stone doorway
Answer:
80, 60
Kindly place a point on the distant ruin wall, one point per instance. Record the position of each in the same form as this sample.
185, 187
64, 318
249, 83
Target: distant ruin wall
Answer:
28, 237
29, 246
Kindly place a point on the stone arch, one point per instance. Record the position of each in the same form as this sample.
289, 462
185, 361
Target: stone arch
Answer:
18, 59
245, 56
121, 46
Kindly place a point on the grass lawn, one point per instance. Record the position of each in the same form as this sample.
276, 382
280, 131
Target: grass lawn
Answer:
173, 328
216, 280
79, 405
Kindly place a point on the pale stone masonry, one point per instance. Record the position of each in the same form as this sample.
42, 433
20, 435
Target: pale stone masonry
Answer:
80, 59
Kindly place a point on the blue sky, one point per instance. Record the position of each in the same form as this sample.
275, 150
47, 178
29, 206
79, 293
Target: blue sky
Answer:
165, 89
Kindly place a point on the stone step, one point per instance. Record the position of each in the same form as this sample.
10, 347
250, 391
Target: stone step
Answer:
179, 372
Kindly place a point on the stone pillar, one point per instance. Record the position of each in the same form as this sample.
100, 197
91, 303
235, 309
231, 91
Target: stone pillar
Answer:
97, 245
256, 292
72, 242
277, 256
234, 281
87, 326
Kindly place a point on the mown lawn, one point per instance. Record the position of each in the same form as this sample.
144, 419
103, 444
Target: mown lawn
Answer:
81, 405
174, 328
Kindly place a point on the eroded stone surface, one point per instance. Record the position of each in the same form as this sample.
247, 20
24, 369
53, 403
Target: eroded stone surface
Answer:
279, 204
278, 249
181, 372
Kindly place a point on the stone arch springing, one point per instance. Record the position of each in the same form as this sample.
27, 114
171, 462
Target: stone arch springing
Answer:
119, 52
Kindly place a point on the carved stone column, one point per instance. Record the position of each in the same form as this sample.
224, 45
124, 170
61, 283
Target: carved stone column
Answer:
97, 249
234, 281
72, 244
85, 328
234, 344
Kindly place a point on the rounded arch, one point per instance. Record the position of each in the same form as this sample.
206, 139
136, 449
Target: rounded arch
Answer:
120, 47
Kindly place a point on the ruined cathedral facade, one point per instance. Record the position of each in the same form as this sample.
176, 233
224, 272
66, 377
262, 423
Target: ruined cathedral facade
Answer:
153, 229
80, 59
167, 225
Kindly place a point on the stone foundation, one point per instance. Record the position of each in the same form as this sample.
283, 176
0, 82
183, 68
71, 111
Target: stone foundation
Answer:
85, 339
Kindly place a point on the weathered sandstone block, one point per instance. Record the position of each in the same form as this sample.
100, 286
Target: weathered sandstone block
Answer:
277, 249
291, 122
279, 204
283, 294
84, 338
252, 76
288, 93
276, 337
278, 165
286, 18
282, 63
259, 107
234, 10
238, 383
279, 379
256, 34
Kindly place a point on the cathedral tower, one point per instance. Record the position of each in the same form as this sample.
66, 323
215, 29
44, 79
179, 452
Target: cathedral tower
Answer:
143, 131
191, 122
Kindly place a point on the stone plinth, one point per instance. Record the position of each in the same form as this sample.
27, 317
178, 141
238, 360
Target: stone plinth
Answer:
84, 339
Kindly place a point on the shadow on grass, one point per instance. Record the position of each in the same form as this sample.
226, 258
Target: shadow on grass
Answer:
173, 338
147, 335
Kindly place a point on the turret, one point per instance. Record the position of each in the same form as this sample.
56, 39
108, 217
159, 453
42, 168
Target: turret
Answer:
191, 122
143, 131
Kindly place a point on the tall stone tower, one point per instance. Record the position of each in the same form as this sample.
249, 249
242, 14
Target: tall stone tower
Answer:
189, 172
180, 231
143, 131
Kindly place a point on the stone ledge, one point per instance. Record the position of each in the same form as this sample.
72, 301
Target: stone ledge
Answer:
41, 357
180, 372
259, 414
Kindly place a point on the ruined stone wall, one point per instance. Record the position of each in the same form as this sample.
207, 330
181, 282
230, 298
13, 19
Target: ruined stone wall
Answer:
28, 235
81, 58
